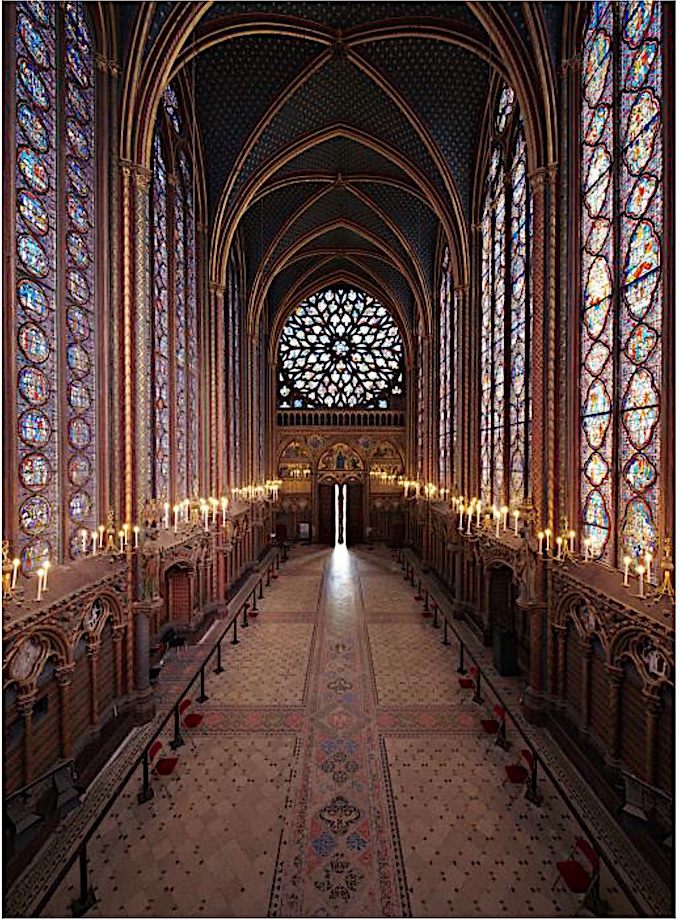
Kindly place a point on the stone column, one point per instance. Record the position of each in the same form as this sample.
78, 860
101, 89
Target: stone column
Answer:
145, 706
25, 703
118, 640
486, 611
64, 678
652, 712
534, 699
561, 637
586, 646
93, 646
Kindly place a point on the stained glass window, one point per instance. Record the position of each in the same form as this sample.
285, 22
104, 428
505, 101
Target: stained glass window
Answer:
54, 96
340, 349
161, 327
233, 338
445, 377
621, 227
420, 401
506, 313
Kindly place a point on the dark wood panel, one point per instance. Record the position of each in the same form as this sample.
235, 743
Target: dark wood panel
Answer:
179, 595
573, 665
633, 718
80, 699
599, 695
46, 729
355, 513
327, 515
666, 743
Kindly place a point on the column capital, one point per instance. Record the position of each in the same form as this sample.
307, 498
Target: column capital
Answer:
64, 674
216, 287
26, 700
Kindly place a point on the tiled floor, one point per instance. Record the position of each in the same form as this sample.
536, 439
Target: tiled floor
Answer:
339, 770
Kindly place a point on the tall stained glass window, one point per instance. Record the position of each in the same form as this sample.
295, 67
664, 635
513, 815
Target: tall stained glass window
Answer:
621, 231
55, 317
506, 312
445, 372
174, 314
233, 338
420, 402
340, 349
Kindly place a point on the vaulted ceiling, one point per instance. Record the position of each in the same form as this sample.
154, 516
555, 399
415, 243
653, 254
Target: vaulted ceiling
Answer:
341, 139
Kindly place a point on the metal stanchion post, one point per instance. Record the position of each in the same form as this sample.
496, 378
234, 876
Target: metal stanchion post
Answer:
177, 740
202, 697
146, 794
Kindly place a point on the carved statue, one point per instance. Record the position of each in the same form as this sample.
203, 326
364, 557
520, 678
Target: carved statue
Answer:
151, 567
525, 568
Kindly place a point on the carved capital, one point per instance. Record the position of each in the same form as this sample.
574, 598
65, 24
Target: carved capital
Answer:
26, 701
538, 179
64, 674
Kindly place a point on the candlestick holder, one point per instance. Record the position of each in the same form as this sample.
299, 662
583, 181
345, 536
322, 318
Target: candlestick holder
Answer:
665, 588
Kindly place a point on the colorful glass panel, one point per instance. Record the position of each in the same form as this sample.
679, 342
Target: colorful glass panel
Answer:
34, 428
161, 326
33, 83
33, 211
34, 515
33, 127
33, 169
340, 349
445, 330
630, 214
33, 386
34, 471
79, 470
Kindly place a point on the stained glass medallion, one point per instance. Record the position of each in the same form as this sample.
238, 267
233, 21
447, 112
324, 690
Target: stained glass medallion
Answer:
79, 506
79, 470
77, 249
33, 211
34, 555
340, 348
78, 322
78, 139
34, 343
33, 41
77, 177
76, 284
34, 470
34, 428
32, 167
34, 515
77, 212
33, 127
40, 10
78, 359
32, 298
79, 395
33, 385
33, 83
79, 433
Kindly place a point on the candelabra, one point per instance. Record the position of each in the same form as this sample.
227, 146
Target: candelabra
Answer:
665, 588
10, 571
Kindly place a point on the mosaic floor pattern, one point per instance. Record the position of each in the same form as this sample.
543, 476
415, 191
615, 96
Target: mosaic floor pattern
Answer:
339, 770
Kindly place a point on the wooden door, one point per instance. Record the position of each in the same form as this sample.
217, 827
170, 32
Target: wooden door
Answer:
355, 513
327, 515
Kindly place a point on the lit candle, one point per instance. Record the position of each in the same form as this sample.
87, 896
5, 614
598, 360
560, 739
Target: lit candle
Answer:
626, 565
206, 524
167, 515
126, 527
540, 542
515, 514
135, 530
101, 529
641, 572
47, 568
479, 510
461, 507
586, 548
497, 515
648, 563
15, 571
548, 531
176, 513
572, 538
120, 539
469, 516
95, 540
559, 548
504, 512
41, 575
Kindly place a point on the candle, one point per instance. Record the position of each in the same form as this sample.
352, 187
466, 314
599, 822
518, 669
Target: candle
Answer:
586, 548
548, 531
504, 512
515, 514
126, 527
460, 522
47, 568
95, 540
101, 529
205, 518
41, 575
135, 530
648, 563
469, 516
224, 511
626, 563
167, 515
572, 537
479, 510
497, 515
213, 501
15, 572
120, 538
540, 542
559, 548
641, 571
176, 513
